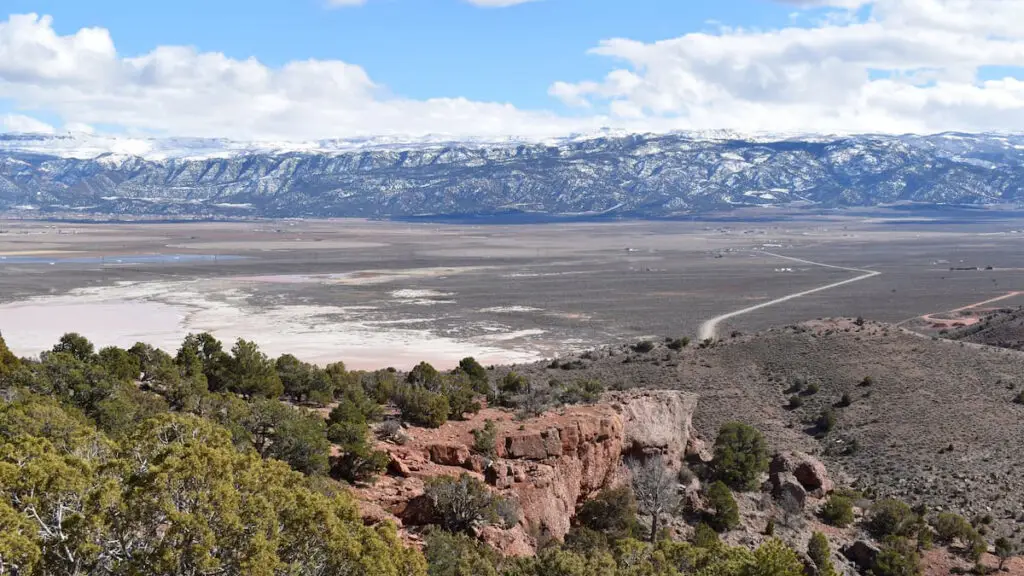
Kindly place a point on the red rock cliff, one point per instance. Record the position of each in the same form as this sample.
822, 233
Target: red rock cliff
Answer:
548, 464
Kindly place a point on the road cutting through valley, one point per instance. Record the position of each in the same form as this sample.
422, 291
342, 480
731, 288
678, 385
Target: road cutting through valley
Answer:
709, 329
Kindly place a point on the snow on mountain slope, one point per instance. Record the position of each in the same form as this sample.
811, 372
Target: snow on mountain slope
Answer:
638, 175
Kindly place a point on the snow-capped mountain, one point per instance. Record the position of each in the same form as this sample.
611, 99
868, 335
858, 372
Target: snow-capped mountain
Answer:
618, 174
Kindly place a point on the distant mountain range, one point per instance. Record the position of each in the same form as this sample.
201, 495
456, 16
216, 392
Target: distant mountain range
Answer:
639, 176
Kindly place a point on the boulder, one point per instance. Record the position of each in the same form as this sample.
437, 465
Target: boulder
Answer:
501, 475
570, 436
417, 511
397, 467
810, 568
518, 475
809, 471
477, 463
814, 478
527, 446
552, 442
404, 461
697, 450
786, 486
692, 499
656, 421
514, 542
372, 513
862, 553
448, 454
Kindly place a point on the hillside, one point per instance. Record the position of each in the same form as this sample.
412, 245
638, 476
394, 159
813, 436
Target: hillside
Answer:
645, 176
1003, 328
710, 459
937, 424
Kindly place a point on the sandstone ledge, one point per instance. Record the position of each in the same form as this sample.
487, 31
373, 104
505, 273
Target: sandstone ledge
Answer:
548, 464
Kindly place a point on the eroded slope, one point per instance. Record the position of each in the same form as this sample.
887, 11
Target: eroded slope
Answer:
935, 423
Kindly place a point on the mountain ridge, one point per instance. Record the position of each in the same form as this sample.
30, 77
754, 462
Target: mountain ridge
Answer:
628, 176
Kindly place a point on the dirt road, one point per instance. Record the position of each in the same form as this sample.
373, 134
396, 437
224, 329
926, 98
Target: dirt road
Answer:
709, 328
968, 320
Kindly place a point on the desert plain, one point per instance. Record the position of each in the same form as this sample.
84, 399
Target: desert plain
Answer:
376, 294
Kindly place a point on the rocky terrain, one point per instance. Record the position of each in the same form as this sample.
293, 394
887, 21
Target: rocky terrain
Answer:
1002, 328
641, 176
929, 421
551, 463
835, 446
547, 464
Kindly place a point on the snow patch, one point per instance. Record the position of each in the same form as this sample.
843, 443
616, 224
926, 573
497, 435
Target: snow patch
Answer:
409, 294
162, 313
510, 309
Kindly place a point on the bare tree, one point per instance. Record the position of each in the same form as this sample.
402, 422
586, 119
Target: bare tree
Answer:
655, 488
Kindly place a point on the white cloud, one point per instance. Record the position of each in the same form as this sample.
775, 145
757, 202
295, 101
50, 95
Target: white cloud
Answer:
912, 65
79, 128
178, 90
26, 124
909, 66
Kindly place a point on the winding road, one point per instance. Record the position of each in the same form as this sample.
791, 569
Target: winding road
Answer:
709, 328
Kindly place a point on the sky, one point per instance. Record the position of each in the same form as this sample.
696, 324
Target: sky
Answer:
317, 69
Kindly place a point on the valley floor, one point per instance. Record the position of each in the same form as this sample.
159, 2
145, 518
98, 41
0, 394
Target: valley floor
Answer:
382, 293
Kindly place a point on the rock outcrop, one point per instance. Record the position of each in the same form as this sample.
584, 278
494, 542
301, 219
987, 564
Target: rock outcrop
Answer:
548, 464
514, 542
785, 486
448, 454
657, 422
862, 553
807, 470
559, 460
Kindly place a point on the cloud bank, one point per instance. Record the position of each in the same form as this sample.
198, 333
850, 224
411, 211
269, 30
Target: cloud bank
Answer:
178, 90
854, 66
905, 66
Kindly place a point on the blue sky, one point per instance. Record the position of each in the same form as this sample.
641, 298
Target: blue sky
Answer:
232, 68
417, 48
